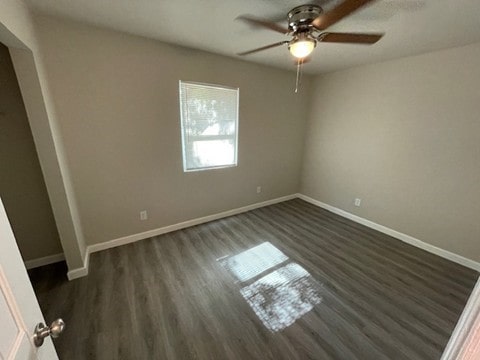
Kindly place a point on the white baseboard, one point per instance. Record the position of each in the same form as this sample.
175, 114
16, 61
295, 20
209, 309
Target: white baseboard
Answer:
46, 260
396, 234
166, 229
51, 259
82, 271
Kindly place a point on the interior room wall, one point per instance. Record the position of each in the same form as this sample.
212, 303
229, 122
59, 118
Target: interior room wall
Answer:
22, 187
17, 32
404, 136
117, 98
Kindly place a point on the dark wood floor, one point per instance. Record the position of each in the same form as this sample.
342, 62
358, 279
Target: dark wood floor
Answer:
288, 281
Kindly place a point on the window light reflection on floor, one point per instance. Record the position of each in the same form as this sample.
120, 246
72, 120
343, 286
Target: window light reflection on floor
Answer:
283, 296
279, 297
254, 261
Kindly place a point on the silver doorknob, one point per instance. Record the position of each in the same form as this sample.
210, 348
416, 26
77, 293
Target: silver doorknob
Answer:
42, 331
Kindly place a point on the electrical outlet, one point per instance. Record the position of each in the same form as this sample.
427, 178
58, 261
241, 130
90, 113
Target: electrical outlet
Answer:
358, 202
259, 189
143, 215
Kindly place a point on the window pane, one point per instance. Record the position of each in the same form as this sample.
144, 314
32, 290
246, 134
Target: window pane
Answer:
214, 127
209, 115
211, 153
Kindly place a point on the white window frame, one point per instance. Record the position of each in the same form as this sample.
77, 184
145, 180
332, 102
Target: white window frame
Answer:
210, 137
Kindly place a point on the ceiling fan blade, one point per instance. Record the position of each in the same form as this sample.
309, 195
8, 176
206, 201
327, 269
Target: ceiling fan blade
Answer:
263, 23
336, 14
350, 38
263, 48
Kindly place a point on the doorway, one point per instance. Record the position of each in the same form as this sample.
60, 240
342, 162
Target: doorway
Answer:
22, 186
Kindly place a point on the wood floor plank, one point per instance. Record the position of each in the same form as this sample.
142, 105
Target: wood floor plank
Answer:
339, 290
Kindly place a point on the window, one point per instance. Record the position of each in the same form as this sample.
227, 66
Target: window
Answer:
209, 116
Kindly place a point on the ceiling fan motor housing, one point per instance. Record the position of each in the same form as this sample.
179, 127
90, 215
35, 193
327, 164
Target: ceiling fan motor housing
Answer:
300, 17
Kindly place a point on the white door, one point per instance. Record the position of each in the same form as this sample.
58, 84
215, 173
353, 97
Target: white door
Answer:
19, 309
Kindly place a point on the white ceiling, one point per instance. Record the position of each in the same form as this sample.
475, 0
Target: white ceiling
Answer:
411, 26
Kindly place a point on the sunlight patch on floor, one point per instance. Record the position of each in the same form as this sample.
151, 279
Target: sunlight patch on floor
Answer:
283, 296
280, 297
254, 261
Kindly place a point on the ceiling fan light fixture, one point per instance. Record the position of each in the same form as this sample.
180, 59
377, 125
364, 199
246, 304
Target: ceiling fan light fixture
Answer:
302, 47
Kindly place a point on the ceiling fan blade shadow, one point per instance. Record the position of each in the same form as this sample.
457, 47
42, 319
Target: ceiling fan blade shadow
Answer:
263, 48
349, 38
336, 14
266, 24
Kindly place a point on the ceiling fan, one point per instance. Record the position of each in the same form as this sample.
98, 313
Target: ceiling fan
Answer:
307, 25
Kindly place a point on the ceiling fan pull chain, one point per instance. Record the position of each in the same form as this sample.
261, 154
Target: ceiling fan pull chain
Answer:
301, 70
298, 80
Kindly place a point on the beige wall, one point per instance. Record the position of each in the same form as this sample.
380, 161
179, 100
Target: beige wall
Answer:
22, 187
117, 98
401, 135
17, 32
404, 136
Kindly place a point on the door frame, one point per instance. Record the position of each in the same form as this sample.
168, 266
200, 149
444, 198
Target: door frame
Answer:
17, 32
465, 340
